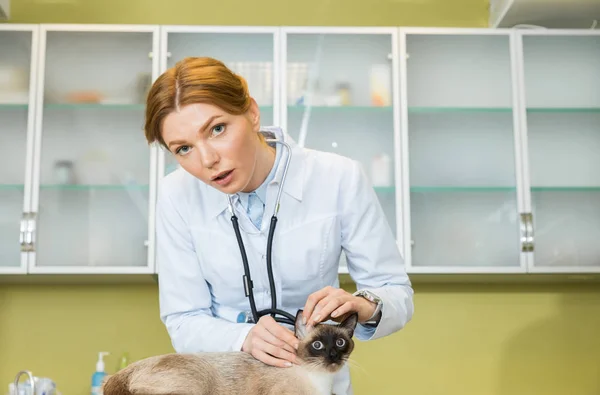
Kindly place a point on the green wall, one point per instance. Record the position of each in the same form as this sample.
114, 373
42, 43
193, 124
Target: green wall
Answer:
257, 12
463, 340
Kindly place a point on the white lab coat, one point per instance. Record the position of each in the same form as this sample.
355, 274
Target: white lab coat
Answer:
327, 206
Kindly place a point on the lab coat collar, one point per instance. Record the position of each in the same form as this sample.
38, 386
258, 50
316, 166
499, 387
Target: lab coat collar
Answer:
218, 202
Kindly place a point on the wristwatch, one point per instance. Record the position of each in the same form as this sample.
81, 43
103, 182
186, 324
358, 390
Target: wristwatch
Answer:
371, 297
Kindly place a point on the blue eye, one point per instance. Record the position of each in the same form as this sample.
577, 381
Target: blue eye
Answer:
317, 345
184, 149
218, 129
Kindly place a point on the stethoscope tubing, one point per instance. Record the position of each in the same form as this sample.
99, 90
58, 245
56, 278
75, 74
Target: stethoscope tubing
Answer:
247, 278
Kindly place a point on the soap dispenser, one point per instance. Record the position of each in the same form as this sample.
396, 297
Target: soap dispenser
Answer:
99, 374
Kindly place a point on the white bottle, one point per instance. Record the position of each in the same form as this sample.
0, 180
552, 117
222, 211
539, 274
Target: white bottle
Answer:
99, 374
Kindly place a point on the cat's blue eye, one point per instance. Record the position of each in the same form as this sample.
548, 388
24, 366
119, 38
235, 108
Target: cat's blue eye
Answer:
317, 345
218, 129
340, 342
183, 150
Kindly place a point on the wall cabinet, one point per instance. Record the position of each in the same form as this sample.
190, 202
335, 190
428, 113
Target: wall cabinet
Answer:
481, 144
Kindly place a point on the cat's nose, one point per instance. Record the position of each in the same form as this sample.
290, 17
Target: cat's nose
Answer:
333, 353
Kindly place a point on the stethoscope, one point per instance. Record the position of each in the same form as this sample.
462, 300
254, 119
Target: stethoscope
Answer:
247, 279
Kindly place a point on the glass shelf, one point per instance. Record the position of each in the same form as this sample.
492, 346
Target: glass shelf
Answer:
13, 106
83, 187
95, 106
564, 110
18, 187
442, 189
344, 109
459, 109
385, 189
502, 110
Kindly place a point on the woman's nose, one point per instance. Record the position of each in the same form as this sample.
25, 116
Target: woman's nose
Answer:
208, 155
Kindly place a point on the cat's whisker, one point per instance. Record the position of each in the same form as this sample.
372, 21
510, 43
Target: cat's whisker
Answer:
354, 364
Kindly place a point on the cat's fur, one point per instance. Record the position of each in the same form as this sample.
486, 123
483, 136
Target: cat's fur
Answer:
233, 373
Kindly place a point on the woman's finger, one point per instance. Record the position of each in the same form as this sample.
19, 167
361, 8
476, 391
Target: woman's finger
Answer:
312, 301
283, 334
264, 334
343, 309
278, 352
330, 304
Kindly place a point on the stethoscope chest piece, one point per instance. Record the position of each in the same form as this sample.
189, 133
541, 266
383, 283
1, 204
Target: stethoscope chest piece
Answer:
244, 317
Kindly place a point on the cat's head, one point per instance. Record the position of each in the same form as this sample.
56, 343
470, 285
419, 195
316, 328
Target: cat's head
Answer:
325, 346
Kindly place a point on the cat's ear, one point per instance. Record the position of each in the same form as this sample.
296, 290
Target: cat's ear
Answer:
300, 327
349, 323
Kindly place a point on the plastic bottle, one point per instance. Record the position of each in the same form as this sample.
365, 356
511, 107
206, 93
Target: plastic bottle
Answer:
99, 374
123, 361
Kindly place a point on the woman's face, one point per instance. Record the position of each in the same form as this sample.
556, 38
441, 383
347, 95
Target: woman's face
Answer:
218, 148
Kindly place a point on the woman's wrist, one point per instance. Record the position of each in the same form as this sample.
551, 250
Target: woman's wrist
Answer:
366, 309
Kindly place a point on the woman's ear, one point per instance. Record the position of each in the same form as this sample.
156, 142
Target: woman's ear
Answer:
254, 115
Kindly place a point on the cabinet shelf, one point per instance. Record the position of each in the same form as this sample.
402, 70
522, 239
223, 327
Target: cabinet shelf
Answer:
390, 189
13, 106
422, 189
346, 109
84, 187
440, 109
95, 106
76, 187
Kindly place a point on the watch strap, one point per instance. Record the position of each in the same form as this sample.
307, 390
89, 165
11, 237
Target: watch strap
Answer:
371, 297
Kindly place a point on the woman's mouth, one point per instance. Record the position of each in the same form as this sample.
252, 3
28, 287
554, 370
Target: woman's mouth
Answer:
223, 178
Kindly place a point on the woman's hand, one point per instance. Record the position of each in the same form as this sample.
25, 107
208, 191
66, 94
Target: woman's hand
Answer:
330, 302
271, 343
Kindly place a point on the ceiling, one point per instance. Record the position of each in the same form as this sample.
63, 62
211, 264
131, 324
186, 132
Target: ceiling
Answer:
561, 14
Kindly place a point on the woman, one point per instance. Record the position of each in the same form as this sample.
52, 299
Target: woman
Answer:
203, 114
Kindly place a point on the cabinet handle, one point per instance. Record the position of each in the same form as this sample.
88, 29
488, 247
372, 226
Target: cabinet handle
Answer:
526, 232
22, 232
29, 232
530, 233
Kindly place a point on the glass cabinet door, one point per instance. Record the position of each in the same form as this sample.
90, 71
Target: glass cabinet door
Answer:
17, 54
93, 159
561, 73
339, 95
248, 51
459, 128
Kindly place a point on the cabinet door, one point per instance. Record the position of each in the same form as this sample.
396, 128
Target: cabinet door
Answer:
460, 143
91, 178
18, 67
248, 51
339, 96
561, 90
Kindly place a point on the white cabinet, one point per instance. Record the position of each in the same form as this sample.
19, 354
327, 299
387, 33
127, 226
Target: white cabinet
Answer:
481, 144
340, 94
18, 75
459, 121
88, 185
560, 122
500, 136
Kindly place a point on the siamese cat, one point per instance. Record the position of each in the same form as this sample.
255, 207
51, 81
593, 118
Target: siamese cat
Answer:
322, 352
